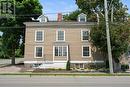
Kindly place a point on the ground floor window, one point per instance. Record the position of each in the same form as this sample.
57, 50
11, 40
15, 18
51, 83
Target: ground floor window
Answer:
86, 52
60, 51
38, 52
35, 65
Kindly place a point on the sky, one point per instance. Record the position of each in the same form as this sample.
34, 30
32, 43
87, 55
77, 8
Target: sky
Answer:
56, 6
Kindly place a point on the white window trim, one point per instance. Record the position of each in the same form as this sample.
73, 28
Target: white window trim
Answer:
57, 36
89, 51
42, 35
82, 34
62, 52
35, 52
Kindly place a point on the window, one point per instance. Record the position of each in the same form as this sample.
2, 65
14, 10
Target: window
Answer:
82, 19
86, 51
61, 51
39, 36
85, 35
36, 65
64, 51
60, 35
38, 52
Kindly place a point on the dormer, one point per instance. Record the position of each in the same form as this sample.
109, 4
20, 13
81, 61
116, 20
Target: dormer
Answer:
42, 18
82, 17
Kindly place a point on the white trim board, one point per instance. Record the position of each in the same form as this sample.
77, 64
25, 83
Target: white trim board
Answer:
64, 61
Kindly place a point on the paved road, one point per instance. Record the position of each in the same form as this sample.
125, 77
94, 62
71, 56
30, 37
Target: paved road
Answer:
35, 81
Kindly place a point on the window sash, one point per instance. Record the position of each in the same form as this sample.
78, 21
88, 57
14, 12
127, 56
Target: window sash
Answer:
82, 19
86, 51
56, 51
39, 52
61, 36
39, 36
64, 51
85, 35
60, 51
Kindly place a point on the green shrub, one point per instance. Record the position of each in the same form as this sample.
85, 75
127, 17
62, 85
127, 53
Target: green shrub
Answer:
68, 65
124, 67
95, 66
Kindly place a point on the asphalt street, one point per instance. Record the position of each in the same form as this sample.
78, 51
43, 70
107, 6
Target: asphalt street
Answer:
51, 81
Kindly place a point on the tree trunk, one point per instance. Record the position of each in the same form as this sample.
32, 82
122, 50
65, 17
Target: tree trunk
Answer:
13, 57
13, 60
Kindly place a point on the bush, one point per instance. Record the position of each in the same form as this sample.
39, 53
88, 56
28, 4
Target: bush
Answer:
95, 66
124, 67
68, 65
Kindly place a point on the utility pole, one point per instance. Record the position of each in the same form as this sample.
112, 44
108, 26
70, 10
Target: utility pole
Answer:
108, 38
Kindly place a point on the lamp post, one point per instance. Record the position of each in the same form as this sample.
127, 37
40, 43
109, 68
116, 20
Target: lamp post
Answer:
108, 38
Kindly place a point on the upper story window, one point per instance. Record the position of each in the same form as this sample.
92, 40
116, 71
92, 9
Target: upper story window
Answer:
38, 52
60, 35
39, 36
85, 35
82, 17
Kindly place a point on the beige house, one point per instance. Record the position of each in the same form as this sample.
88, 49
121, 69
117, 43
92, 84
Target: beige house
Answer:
52, 44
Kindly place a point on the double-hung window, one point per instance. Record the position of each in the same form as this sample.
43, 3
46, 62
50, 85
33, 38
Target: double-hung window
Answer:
86, 51
60, 35
60, 51
85, 35
39, 36
38, 52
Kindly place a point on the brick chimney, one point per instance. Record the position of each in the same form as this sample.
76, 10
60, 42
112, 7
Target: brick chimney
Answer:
59, 19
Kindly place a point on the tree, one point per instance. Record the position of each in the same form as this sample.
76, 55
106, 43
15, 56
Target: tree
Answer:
117, 13
13, 28
72, 16
120, 36
91, 6
68, 65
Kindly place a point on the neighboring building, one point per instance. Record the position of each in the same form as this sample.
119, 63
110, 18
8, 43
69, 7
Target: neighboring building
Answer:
52, 44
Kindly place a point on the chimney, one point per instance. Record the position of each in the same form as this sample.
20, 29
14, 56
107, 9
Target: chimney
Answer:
59, 19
